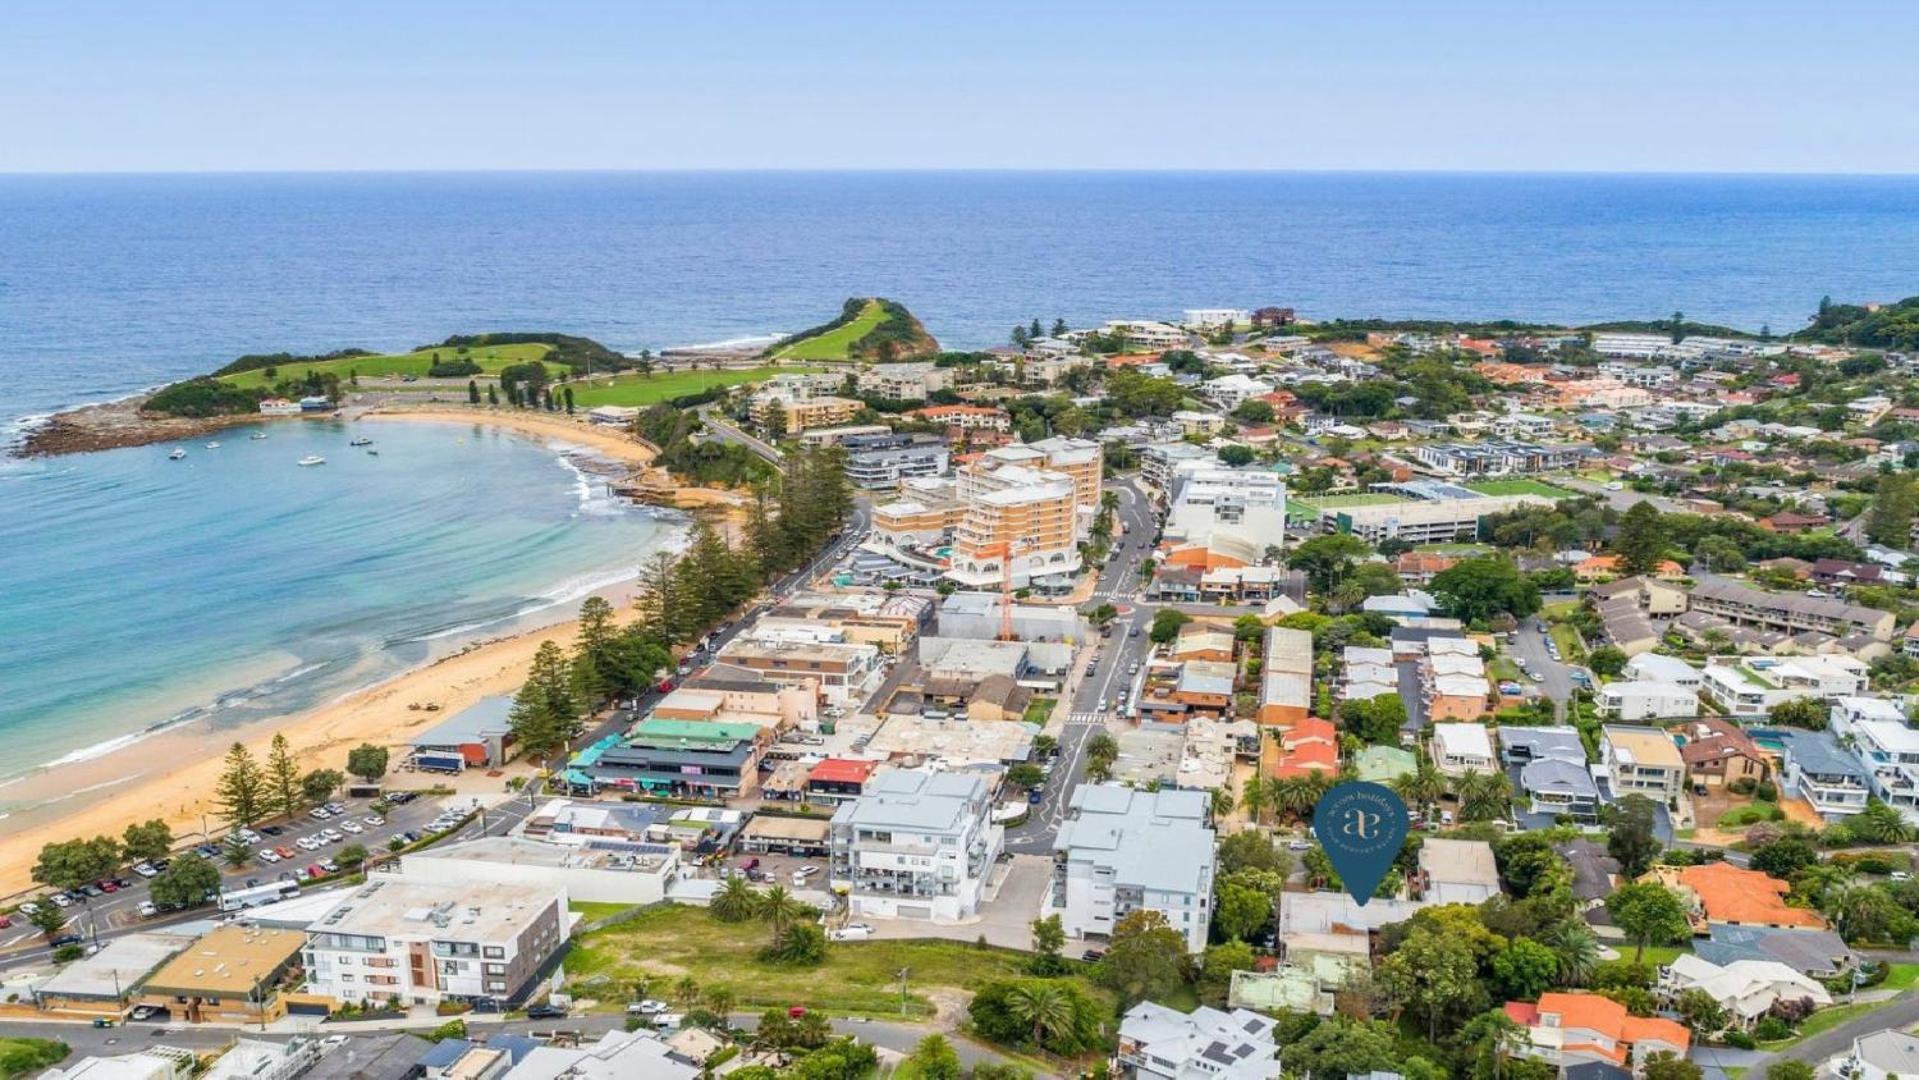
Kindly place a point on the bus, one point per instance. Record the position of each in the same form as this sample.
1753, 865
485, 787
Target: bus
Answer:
271, 893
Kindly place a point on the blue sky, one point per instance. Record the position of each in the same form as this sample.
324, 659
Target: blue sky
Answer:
1691, 85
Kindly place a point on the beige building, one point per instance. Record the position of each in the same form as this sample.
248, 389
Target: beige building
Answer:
1028, 504
231, 974
1642, 760
807, 413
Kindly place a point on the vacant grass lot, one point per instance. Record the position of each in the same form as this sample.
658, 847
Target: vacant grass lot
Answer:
490, 358
858, 977
833, 344
632, 388
1520, 486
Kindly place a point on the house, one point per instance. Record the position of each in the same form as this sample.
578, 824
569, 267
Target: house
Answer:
1847, 712
916, 845
1885, 1055
104, 984
998, 698
1890, 753
1310, 746
1458, 749
1645, 701
1569, 1029
1821, 954
1123, 850
1820, 771
1746, 989
1595, 871
1657, 668
1158, 1043
1556, 787
1520, 745
1456, 872
1718, 753
1755, 686
1641, 760
232, 974
1720, 892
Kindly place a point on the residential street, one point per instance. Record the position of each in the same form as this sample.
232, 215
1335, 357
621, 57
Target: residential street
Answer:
1899, 1013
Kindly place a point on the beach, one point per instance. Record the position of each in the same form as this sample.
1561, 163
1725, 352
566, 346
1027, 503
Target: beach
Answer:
171, 773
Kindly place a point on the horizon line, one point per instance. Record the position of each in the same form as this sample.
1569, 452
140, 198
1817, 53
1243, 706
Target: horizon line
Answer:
885, 170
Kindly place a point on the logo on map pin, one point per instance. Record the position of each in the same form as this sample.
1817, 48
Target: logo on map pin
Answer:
1361, 827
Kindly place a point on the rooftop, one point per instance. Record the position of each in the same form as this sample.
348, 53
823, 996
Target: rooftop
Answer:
232, 961
1152, 840
908, 799
470, 911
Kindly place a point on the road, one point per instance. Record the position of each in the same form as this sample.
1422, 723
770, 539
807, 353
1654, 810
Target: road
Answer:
729, 433
1623, 499
1895, 1015
1556, 678
88, 1041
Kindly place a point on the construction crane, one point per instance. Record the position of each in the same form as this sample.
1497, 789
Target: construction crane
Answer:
1006, 550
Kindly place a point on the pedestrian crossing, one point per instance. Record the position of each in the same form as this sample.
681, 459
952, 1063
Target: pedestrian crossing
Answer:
1086, 718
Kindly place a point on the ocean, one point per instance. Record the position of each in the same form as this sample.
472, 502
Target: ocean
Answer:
138, 592
135, 591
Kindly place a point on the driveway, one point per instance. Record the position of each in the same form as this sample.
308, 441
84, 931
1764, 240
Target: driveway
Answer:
1556, 678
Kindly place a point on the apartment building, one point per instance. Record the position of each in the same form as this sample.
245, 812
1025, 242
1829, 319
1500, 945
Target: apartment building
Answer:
415, 943
1631, 701
727, 694
1023, 524
1146, 333
1215, 318
834, 436
1791, 612
916, 845
1825, 774
1642, 761
904, 382
1286, 679
1459, 749
1496, 457
965, 417
837, 671
1160, 464
1123, 850
880, 462
1754, 686
1890, 753
914, 523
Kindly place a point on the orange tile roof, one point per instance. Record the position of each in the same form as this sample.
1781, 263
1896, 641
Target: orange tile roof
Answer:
1591, 1012
1729, 894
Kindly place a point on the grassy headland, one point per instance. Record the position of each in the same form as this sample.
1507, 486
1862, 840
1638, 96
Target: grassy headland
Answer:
633, 388
868, 328
488, 360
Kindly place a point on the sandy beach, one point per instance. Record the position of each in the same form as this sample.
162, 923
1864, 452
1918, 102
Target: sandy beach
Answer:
172, 774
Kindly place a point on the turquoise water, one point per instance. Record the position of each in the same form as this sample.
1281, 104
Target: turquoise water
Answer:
233, 584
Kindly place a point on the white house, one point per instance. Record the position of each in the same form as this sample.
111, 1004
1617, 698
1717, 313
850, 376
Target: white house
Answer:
1849, 711
916, 845
1158, 1043
1658, 668
1885, 1055
1890, 753
1462, 748
1747, 989
1646, 701
1754, 686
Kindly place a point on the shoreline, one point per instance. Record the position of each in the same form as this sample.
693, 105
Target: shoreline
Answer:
170, 771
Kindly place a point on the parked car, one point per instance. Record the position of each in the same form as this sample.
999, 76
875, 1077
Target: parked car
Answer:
145, 869
267, 854
647, 1007
66, 939
545, 1011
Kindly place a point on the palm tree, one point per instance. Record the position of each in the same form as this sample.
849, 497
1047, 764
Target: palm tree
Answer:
1819, 883
1042, 1007
735, 902
1881, 824
1256, 796
1222, 802
1484, 796
1422, 787
686, 991
1577, 948
780, 909
1295, 795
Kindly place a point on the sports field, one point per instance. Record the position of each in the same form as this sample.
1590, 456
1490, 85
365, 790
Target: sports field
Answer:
1520, 486
632, 388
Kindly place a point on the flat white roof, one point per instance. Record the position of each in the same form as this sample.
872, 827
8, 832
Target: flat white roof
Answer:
1463, 740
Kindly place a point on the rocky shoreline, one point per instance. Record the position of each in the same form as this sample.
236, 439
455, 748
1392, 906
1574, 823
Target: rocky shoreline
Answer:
114, 425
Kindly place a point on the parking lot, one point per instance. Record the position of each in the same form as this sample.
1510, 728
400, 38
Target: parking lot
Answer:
779, 869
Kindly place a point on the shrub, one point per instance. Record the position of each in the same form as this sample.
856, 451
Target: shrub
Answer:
1745, 785
995, 1018
1772, 1029
452, 369
1765, 791
1739, 1040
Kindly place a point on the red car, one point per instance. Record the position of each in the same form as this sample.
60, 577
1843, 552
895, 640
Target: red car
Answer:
108, 885
285, 852
665, 687
316, 871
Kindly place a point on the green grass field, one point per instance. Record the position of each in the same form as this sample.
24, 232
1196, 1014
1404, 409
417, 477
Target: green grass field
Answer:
490, 358
1519, 486
857, 978
594, 910
1901, 977
833, 344
632, 388
1336, 502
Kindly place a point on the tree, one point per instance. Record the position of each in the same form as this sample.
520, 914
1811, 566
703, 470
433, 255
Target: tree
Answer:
1422, 787
367, 761
283, 777
719, 1002
234, 851
1435, 976
1895, 501
1146, 958
735, 902
1526, 969
1881, 824
1648, 911
1254, 796
1254, 411
935, 1059
1641, 541
1665, 1065
48, 919
1218, 964
566, 392
241, 791
1629, 836
1341, 1047
1808, 713
1607, 660
775, 422
320, 784
70, 864
1484, 796
187, 880
492, 394
1702, 1012
1043, 1007
351, 856
1576, 947
780, 909
1240, 911
1325, 560
545, 715
1377, 720
1236, 455
1789, 1069
1166, 624
1049, 940
1476, 589
1251, 849
146, 841
1784, 857
1025, 776
596, 652
472, 392
1051, 1014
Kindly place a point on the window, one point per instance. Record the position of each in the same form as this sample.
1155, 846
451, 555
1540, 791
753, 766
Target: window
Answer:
495, 952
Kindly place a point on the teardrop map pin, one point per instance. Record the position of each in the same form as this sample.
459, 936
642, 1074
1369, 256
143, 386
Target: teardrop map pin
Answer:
1361, 826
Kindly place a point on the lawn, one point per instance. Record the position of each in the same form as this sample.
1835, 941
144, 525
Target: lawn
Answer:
1570, 647
857, 978
632, 388
593, 911
1656, 955
1038, 709
491, 359
1901, 977
1519, 486
833, 344
1823, 1020
1505, 670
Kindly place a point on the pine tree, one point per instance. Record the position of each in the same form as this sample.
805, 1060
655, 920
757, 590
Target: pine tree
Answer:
545, 713
595, 651
242, 788
283, 777
492, 395
661, 601
1641, 542
472, 392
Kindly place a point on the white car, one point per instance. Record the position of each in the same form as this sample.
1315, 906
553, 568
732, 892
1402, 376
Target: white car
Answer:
267, 854
804, 874
307, 843
148, 909
29, 908
332, 836
851, 933
353, 827
649, 1007
320, 812
374, 820
61, 899
145, 870
1901, 875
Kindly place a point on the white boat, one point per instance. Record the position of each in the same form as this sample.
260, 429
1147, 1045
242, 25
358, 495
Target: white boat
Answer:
177, 454
312, 459
361, 441
213, 446
257, 436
